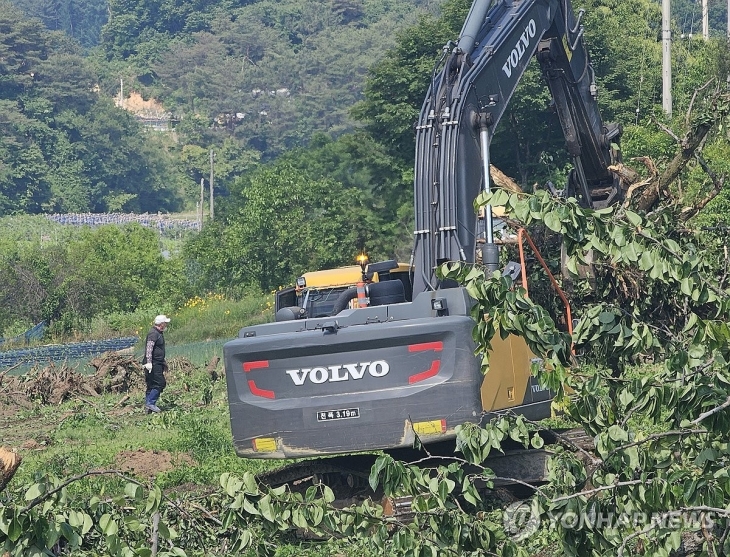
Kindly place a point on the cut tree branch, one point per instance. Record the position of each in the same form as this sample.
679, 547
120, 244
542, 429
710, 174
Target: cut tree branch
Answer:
717, 182
713, 411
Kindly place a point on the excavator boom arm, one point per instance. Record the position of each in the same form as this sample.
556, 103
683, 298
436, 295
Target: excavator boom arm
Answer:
465, 103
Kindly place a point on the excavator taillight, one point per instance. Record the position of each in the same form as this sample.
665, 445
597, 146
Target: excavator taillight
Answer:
248, 366
430, 372
437, 346
256, 391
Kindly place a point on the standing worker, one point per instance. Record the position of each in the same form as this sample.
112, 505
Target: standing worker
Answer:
154, 363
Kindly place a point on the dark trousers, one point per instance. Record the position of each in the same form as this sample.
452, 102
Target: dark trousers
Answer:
156, 383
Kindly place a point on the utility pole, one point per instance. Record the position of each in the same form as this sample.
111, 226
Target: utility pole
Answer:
211, 184
200, 204
666, 59
705, 20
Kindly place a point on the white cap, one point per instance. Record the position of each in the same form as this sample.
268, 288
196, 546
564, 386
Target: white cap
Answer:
160, 319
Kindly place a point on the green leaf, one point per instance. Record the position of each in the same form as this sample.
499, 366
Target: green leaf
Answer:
266, 509
34, 491
133, 524
499, 198
108, 525
616, 433
646, 261
329, 495
298, 519
685, 286
607, 317
674, 541
249, 507
163, 530
553, 222
691, 322
317, 515
625, 397
15, 530
537, 442
633, 218
374, 478
244, 538
153, 500
249, 481
133, 491
522, 212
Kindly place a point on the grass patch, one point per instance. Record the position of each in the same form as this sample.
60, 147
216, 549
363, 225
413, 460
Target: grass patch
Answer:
82, 434
215, 317
201, 318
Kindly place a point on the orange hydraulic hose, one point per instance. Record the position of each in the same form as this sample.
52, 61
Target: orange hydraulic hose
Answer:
523, 235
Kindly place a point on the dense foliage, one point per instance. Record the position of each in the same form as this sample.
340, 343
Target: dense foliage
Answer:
69, 276
278, 225
63, 147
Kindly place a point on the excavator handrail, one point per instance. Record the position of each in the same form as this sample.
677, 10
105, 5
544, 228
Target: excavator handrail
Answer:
522, 235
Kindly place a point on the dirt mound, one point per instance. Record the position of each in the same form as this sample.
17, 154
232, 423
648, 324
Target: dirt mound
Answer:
148, 463
137, 105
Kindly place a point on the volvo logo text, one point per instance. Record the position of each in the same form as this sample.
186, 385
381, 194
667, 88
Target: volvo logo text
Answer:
520, 48
331, 374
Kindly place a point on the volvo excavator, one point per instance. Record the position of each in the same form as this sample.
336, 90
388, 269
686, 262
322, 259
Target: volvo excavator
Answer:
370, 358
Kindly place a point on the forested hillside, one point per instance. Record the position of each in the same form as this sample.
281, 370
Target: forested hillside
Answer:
250, 80
63, 146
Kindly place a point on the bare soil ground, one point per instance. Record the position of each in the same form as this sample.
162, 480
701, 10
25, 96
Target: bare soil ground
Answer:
148, 463
24, 429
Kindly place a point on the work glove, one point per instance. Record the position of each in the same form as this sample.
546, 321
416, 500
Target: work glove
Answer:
148, 367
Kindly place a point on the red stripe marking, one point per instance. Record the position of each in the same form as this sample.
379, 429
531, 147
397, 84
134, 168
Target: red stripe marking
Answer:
437, 346
430, 372
248, 366
443, 426
259, 392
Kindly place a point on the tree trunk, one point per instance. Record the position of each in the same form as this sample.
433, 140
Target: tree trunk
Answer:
648, 199
9, 462
500, 179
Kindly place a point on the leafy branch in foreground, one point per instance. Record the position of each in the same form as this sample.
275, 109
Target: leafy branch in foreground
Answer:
661, 439
658, 483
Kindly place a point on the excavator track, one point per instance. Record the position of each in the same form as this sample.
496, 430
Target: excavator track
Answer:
348, 475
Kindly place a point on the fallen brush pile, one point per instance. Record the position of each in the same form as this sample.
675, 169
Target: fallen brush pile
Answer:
115, 373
